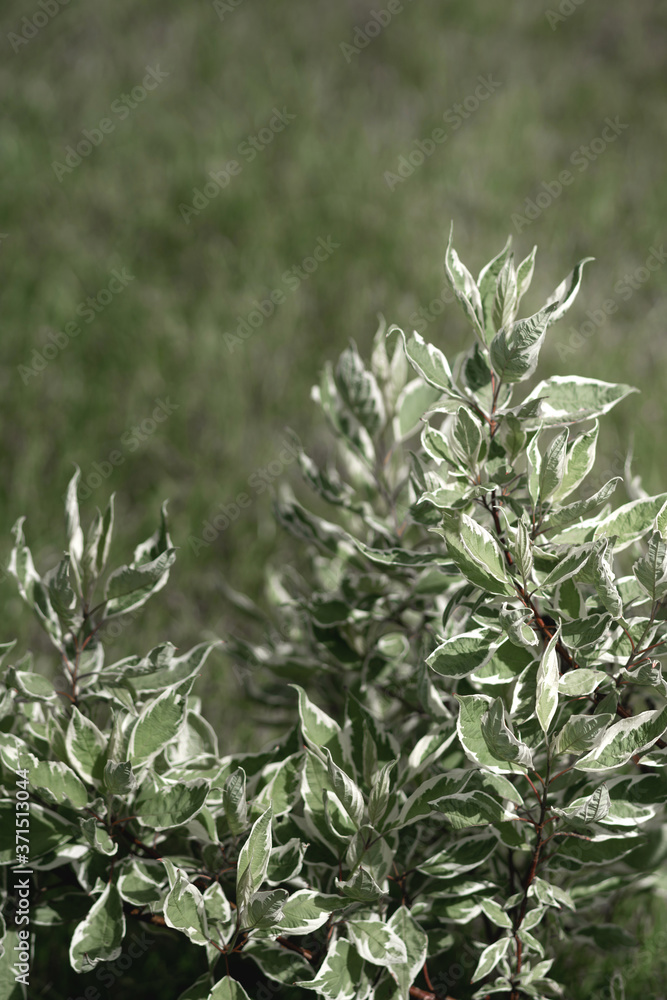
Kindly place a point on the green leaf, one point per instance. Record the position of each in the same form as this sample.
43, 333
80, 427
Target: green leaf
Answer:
286, 861
515, 622
307, 910
264, 909
515, 352
119, 778
627, 737
651, 570
360, 391
414, 401
579, 682
408, 931
253, 861
163, 808
605, 585
379, 797
579, 462
401, 558
490, 957
550, 895
464, 287
553, 466
376, 942
98, 543
566, 293
568, 566
158, 725
631, 521
560, 518
461, 654
340, 976
97, 837
98, 937
72, 521
62, 597
86, 747
567, 399
234, 801
534, 467
140, 881
428, 362
228, 989
276, 962
580, 731
487, 282
496, 914
505, 304
588, 809
184, 910
472, 709
318, 728
468, 435
362, 887
522, 550
524, 274
461, 857
478, 554
546, 701
130, 587
500, 740
346, 790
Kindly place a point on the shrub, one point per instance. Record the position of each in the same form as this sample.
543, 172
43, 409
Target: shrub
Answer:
470, 643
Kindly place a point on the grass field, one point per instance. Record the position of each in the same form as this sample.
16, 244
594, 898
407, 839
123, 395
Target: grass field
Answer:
308, 133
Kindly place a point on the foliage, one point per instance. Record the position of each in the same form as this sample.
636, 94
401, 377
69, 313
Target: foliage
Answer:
477, 762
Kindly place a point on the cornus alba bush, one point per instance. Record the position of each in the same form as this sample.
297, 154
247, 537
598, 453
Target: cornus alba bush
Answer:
468, 660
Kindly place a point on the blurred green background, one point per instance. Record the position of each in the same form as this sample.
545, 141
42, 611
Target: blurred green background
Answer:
331, 121
220, 74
